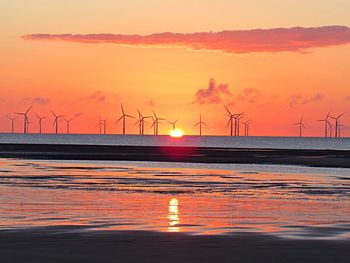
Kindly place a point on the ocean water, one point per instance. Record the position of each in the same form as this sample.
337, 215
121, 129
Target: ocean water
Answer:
193, 141
285, 201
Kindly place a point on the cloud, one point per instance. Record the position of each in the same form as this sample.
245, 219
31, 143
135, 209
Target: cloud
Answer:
301, 100
249, 95
295, 39
98, 97
36, 100
213, 94
150, 102
347, 98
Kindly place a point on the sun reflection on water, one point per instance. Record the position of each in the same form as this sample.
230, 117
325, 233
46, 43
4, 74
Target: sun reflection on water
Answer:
173, 215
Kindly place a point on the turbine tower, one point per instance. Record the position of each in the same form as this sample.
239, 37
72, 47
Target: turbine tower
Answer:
123, 117
55, 123
155, 123
25, 115
104, 123
200, 123
67, 124
301, 125
12, 123
40, 119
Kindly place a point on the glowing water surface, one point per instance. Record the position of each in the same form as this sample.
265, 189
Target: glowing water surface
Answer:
287, 201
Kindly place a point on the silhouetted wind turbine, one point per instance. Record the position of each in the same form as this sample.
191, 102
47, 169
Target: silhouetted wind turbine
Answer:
123, 117
174, 124
301, 125
238, 120
200, 123
326, 123
233, 119
12, 123
142, 122
100, 124
337, 123
155, 123
104, 122
40, 119
55, 123
25, 114
246, 127
67, 124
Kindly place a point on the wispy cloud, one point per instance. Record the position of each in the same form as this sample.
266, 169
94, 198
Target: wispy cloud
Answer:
296, 39
36, 100
249, 95
150, 102
299, 99
212, 94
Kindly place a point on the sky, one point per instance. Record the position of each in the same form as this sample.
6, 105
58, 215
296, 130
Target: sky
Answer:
273, 60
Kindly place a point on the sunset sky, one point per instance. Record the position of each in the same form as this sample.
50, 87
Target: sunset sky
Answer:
179, 58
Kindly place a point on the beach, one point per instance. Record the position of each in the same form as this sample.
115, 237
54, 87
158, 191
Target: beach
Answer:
122, 211
68, 245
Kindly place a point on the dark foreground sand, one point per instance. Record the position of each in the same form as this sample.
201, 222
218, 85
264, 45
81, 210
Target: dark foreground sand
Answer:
317, 158
55, 245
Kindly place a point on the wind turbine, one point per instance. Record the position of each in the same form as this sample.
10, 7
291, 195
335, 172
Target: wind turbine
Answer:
12, 123
301, 125
100, 124
174, 124
155, 123
104, 122
55, 123
200, 123
142, 122
233, 121
327, 124
337, 124
123, 117
246, 127
67, 124
25, 115
238, 120
40, 121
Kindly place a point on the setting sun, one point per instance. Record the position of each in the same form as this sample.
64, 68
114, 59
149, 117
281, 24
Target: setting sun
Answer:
176, 133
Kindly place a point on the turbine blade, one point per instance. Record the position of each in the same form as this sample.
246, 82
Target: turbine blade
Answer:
227, 110
119, 120
29, 108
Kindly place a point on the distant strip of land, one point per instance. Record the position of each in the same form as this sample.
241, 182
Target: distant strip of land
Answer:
67, 244
315, 158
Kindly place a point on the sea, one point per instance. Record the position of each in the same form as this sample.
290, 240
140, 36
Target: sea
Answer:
293, 202
189, 141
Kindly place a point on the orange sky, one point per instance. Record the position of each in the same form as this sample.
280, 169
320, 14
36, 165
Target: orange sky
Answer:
86, 81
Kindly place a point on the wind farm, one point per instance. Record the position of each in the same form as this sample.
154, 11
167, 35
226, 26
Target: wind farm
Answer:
332, 124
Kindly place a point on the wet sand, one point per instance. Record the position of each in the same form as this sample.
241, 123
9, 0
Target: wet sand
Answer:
68, 244
315, 158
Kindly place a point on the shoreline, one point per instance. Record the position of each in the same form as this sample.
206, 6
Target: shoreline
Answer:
309, 157
70, 244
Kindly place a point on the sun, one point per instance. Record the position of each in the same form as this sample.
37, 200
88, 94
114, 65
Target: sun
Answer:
176, 133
